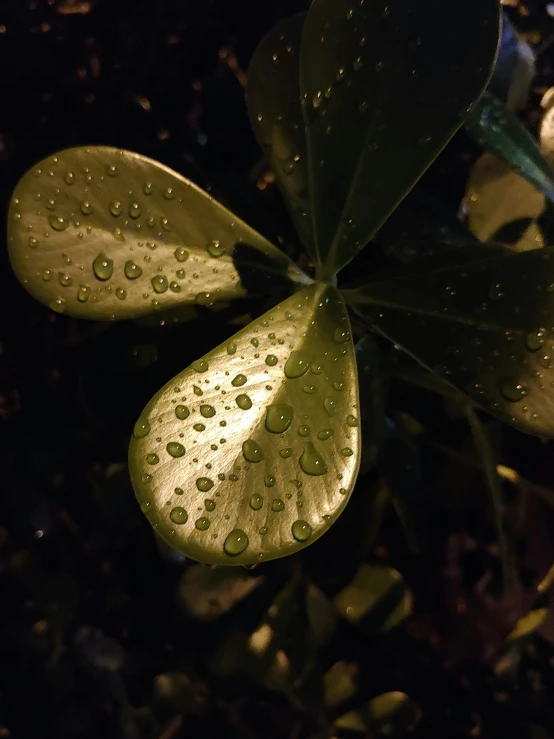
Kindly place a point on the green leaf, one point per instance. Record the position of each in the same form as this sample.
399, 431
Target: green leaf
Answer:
484, 325
388, 715
273, 100
260, 435
371, 75
500, 132
376, 599
107, 234
502, 206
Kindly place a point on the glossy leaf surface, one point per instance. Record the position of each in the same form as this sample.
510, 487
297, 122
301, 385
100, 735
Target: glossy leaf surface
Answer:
500, 132
251, 453
371, 75
273, 100
107, 234
484, 325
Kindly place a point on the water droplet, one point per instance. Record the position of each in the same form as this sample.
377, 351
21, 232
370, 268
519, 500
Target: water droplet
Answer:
204, 298
200, 365
83, 293
330, 406
256, 502
325, 434
352, 421
146, 479
252, 451
148, 188
181, 254
278, 418
231, 348
303, 431
215, 249
208, 411
47, 275
338, 386
102, 267
341, 335
179, 491
86, 208
317, 369
346, 452
182, 412
152, 458
203, 524
69, 178
271, 360
141, 429
255, 343
111, 170
135, 211
301, 530
513, 390
159, 283
33, 243
178, 515
116, 208
181, 274
340, 74
535, 339
235, 543
65, 280
196, 390
168, 193
277, 505
244, 402
132, 270
238, 381
296, 365
263, 531
120, 293
358, 64
311, 462
175, 449
285, 453
175, 287
545, 360
204, 484
58, 223
199, 427
269, 481
309, 389
209, 504
58, 305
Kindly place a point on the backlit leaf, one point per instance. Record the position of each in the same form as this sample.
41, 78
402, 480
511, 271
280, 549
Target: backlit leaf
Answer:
484, 325
251, 453
500, 132
376, 599
392, 715
107, 234
273, 99
371, 75
502, 206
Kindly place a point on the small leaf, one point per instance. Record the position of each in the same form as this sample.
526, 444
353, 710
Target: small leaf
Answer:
371, 75
107, 234
484, 325
376, 599
273, 100
250, 453
528, 624
502, 206
500, 132
388, 715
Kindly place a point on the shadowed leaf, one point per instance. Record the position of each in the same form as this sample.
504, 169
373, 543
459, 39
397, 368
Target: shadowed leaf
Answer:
251, 453
484, 325
107, 234
273, 99
390, 715
371, 74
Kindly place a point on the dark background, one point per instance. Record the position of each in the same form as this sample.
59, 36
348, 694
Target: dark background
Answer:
88, 613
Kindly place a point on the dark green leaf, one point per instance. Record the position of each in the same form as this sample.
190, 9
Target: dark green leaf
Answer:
391, 715
273, 99
258, 441
484, 325
373, 384
107, 234
371, 75
500, 132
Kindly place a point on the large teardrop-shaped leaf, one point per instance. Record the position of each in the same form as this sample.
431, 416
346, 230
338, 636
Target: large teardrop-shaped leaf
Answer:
385, 86
484, 325
500, 132
251, 453
107, 234
273, 99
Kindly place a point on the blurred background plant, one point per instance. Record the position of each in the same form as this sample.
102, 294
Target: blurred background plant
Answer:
424, 610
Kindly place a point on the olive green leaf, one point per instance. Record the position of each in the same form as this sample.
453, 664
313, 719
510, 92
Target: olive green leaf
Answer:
376, 599
502, 206
484, 325
390, 715
273, 100
251, 453
371, 75
500, 132
107, 234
